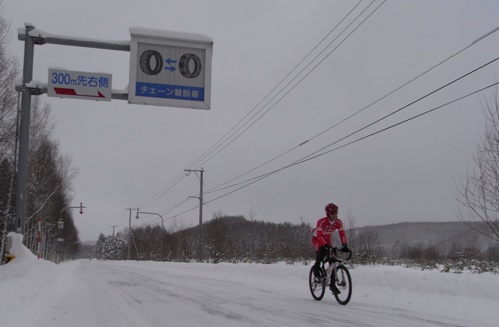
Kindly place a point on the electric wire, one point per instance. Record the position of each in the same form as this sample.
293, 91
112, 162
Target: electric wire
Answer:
411, 103
314, 154
167, 211
217, 188
227, 135
296, 84
401, 122
317, 155
163, 191
177, 179
373, 123
174, 182
308, 158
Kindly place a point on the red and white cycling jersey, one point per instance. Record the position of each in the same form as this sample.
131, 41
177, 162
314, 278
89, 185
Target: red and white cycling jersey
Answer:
321, 234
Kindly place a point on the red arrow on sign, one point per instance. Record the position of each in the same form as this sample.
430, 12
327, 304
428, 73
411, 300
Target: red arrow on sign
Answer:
65, 91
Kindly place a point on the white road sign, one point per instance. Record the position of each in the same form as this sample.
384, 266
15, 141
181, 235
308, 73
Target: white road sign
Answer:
170, 69
79, 85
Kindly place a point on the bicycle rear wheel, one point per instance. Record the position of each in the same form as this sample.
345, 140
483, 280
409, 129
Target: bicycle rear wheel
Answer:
317, 288
343, 284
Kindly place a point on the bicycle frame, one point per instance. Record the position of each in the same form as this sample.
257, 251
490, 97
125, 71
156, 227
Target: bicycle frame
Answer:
335, 275
333, 261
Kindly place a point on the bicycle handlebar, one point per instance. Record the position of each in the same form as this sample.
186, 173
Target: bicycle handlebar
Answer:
336, 250
349, 254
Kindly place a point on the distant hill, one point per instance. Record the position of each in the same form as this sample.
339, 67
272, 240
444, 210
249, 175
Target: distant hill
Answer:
442, 235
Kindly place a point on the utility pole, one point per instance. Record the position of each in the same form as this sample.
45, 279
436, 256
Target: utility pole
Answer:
200, 176
113, 226
129, 230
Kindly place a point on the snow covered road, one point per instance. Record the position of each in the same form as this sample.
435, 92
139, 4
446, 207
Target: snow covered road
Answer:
120, 293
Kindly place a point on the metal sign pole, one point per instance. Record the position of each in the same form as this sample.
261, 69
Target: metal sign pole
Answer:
22, 163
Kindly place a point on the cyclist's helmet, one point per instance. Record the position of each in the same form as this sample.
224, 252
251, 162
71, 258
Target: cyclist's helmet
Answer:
331, 208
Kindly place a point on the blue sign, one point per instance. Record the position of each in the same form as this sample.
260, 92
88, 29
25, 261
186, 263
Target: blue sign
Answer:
166, 91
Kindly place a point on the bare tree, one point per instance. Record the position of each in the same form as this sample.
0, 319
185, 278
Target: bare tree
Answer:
367, 244
351, 222
216, 232
8, 118
479, 194
8, 73
49, 182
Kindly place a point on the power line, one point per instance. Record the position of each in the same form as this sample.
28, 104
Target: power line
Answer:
293, 86
227, 135
400, 123
221, 142
316, 154
163, 191
313, 154
217, 188
310, 157
408, 105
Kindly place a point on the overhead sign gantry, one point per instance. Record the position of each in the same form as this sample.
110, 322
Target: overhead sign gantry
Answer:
167, 68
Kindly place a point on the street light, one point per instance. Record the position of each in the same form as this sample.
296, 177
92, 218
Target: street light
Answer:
162, 225
60, 226
151, 213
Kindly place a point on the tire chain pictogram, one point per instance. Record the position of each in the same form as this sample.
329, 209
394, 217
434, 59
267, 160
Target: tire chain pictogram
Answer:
186, 69
184, 65
145, 62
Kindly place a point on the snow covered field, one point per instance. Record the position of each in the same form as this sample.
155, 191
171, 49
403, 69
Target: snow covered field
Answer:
126, 293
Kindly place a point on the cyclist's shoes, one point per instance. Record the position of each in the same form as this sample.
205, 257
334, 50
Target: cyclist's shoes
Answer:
334, 289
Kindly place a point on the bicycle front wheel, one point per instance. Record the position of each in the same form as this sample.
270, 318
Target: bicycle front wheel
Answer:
317, 286
343, 283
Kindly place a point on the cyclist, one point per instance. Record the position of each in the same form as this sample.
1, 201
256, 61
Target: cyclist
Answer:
321, 235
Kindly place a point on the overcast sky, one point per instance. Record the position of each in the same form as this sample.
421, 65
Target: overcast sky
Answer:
132, 156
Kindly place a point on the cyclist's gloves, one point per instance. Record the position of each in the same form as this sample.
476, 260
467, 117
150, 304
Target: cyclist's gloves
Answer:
344, 248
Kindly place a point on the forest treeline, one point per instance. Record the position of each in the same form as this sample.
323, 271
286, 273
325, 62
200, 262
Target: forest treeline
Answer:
237, 239
225, 238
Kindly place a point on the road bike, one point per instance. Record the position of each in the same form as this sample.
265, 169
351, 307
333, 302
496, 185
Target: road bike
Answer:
334, 276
